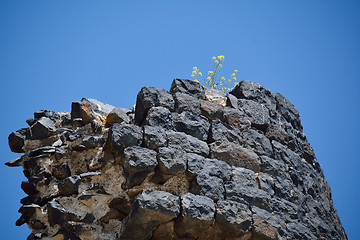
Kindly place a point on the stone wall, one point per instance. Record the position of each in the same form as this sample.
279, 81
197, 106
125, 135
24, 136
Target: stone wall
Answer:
192, 163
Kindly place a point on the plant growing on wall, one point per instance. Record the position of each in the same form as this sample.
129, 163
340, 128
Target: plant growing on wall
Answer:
213, 80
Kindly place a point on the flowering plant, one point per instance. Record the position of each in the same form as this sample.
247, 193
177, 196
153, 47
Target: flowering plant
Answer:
212, 79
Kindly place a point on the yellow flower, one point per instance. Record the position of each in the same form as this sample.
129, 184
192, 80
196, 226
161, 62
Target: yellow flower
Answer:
229, 80
236, 83
216, 61
195, 68
209, 78
213, 58
222, 78
228, 89
210, 72
196, 80
193, 75
215, 85
234, 78
233, 74
221, 57
220, 65
200, 73
236, 71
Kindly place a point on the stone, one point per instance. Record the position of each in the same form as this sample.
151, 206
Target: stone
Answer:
124, 135
288, 156
216, 96
236, 118
90, 109
154, 137
160, 117
211, 186
299, 231
233, 218
212, 110
258, 142
59, 215
196, 126
288, 111
266, 183
69, 185
92, 141
43, 128
151, 208
195, 210
138, 162
16, 140
171, 160
117, 115
235, 155
54, 116
266, 226
283, 188
186, 102
198, 207
151, 97
231, 101
277, 133
200, 165
256, 92
224, 132
15, 162
272, 166
252, 196
257, 113
186, 142
28, 188
188, 87
27, 211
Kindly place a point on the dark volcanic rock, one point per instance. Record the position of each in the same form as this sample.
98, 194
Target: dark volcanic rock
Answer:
257, 113
186, 102
258, 142
256, 92
233, 218
196, 211
288, 111
171, 160
151, 208
154, 137
196, 126
43, 128
138, 163
151, 97
117, 115
195, 163
123, 135
16, 140
189, 87
160, 117
187, 143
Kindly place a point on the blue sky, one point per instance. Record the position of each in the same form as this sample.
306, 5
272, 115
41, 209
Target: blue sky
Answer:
55, 52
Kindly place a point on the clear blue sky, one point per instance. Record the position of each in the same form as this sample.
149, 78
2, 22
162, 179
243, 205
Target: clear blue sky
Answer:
55, 52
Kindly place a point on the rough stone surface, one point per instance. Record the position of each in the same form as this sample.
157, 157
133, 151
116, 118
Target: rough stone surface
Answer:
118, 115
151, 97
191, 163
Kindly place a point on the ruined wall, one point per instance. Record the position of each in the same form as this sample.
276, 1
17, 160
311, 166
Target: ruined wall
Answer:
192, 163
